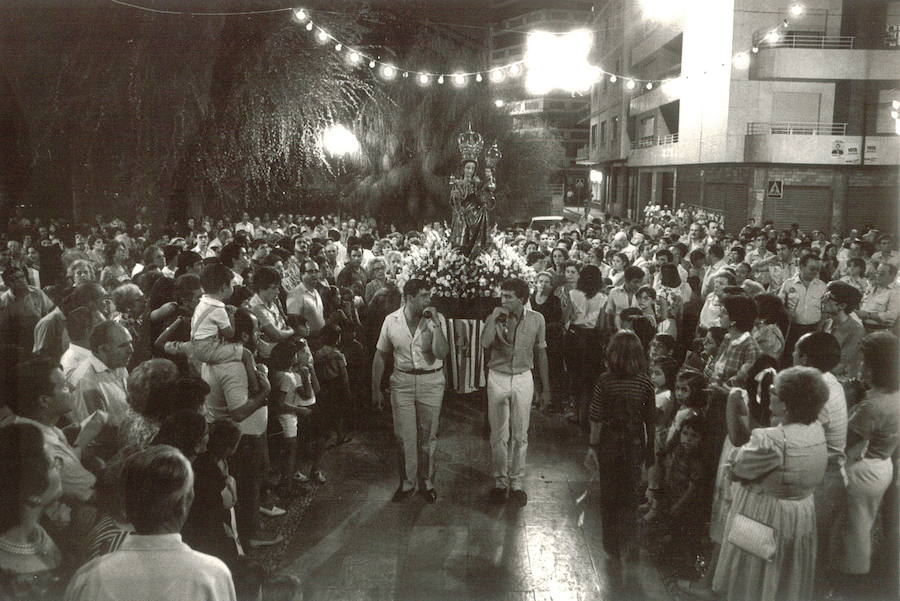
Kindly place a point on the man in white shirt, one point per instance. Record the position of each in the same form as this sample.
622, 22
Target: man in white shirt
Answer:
696, 237
305, 300
102, 378
245, 225
229, 398
153, 564
759, 252
802, 296
886, 252
234, 257
880, 306
79, 324
781, 266
715, 259
414, 335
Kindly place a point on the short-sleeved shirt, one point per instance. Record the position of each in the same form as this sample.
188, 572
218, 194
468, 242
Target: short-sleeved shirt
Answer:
876, 419
412, 351
528, 336
267, 314
308, 303
586, 310
20, 314
228, 391
620, 299
803, 300
210, 318
833, 417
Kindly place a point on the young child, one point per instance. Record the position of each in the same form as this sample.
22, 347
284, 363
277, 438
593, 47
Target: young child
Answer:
662, 373
690, 400
650, 306
331, 370
293, 382
210, 527
662, 345
686, 476
212, 324
358, 365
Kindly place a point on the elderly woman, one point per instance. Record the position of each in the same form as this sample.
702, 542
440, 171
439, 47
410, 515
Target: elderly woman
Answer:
872, 438
776, 473
379, 269
148, 384
771, 324
129, 302
29, 559
81, 271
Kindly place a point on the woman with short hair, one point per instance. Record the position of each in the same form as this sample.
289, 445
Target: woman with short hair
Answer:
776, 473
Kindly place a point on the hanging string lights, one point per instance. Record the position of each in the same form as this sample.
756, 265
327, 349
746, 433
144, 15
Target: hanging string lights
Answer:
495, 75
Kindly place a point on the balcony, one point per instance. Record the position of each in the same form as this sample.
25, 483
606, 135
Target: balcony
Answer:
800, 58
796, 128
655, 98
796, 142
822, 42
650, 141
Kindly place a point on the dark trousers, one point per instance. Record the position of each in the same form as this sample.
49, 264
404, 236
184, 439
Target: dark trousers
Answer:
250, 467
620, 479
584, 360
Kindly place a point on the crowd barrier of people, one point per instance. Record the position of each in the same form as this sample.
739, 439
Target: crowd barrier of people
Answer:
736, 393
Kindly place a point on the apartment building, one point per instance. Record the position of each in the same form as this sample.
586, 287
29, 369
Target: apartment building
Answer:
757, 109
557, 113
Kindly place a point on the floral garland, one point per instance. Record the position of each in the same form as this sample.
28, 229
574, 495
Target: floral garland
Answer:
455, 275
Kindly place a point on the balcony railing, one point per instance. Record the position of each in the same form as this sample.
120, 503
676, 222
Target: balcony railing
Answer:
650, 141
826, 42
797, 128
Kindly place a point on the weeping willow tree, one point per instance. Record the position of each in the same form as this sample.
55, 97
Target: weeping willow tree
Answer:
261, 147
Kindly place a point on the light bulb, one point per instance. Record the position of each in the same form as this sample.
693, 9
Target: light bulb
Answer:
649, 85
424, 78
514, 69
499, 103
459, 79
388, 72
478, 77
772, 37
338, 46
406, 74
371, 64
894, 114
309, 26
895, 104
497, 76
741, 60
355, 57
797, 10
300, 14
613, 79
755, 49
322, 35
630, 84
441, 79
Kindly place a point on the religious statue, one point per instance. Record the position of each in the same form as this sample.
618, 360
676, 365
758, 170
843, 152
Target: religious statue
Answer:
470, 198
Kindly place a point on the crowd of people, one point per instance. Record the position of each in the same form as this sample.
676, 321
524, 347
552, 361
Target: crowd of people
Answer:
165, 388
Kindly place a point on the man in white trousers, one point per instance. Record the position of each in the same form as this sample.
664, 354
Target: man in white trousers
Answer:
513, 338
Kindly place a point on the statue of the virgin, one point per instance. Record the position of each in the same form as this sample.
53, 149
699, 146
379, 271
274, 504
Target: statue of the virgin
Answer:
470, 198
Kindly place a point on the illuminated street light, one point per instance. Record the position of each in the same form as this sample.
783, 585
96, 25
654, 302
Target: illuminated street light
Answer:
388, 72
355, 57
424, 79
322, 36
559, 62
630, 84
301, 15
339, 141
797, 10
499, 103
497, 76
459, 80
772, 37
613, 79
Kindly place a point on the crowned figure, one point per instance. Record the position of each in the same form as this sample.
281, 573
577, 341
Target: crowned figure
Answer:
470, 198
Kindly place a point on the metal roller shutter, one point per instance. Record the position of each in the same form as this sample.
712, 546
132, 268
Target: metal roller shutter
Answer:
805, 205
876, 205
732, 199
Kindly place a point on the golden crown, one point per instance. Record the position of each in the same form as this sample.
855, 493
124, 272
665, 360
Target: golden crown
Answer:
470, 144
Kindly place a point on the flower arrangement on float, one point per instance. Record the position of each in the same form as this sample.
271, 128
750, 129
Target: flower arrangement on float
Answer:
457, 279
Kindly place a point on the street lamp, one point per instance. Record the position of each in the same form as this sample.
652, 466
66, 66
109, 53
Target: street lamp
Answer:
339, 141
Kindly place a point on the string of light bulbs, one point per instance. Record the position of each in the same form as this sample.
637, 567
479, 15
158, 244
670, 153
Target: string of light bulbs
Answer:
389, 72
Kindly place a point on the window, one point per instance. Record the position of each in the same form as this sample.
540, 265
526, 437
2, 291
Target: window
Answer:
603, 134
594, 140
614, 129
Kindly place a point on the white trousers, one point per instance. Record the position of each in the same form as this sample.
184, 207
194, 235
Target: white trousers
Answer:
867, 481
416, 405
509, 413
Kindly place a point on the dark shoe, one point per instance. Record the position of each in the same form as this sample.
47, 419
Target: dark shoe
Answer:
498, 496
402, 494
519, 497
430, 495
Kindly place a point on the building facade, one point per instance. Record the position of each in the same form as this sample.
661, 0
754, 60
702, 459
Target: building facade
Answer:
755, 109
557, 113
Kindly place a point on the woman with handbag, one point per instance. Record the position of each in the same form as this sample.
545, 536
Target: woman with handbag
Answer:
769, 544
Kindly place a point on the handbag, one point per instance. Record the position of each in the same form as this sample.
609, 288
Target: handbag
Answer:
753, 536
